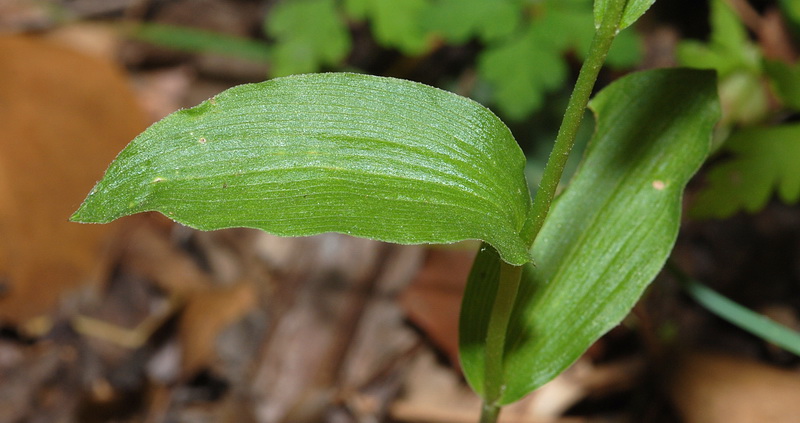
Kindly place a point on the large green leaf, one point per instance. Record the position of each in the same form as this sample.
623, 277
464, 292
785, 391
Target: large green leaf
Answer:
374, 157
607, 236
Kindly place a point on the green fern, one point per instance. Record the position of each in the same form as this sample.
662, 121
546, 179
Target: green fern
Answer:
524, 67
764, 161
396, 24
522, 59
458, 21
523, 44
309, 34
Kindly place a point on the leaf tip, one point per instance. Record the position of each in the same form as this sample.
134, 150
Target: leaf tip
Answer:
84, 213
94, 209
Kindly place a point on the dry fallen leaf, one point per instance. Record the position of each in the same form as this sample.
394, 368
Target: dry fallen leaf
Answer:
64, 116
207, 314
720, 389
433, 299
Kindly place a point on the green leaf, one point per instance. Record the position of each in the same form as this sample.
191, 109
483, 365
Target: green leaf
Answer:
608, 234
568, 26
634, 10
394, 23
764, 160
729, 49
738, 63
459, 20
626, 51
374, 157
791, 10
309, 34
746, 319
785, 80
200, 41
522, 70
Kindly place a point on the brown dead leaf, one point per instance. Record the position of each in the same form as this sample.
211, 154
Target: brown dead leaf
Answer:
64, 117
433, 299
207, 314
775, 37
720, 389
98, 39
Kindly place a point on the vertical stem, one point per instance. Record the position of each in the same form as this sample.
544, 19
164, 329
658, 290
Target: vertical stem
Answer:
489, 413
573, 116
508, 285
497, 330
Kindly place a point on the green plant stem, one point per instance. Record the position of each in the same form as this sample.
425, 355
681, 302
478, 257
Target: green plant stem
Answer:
497, 329
508, 284
573, 116
489, 413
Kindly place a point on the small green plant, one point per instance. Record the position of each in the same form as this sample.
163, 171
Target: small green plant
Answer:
762, 150
403, 162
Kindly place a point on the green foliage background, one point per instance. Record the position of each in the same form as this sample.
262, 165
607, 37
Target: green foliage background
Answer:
760, 150
523, 47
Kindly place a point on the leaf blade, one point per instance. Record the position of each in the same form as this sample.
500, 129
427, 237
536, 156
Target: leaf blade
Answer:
634, 9
609, 233
368, 156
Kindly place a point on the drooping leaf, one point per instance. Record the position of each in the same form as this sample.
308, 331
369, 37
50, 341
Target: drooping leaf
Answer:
607, 235
764, 160
458, 20
374, 157
634, 9
394, 23
309, 34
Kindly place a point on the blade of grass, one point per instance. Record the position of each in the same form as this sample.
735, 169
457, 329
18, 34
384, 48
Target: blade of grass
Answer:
200, 41
757, 324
